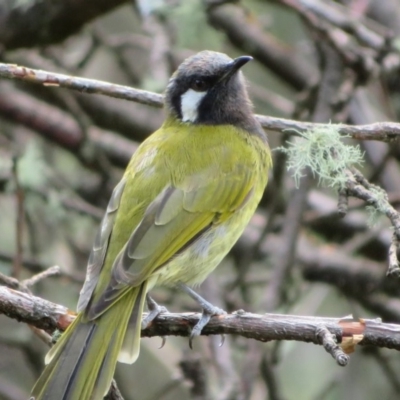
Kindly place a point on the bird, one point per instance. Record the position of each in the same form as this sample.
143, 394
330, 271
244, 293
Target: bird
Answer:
185, 198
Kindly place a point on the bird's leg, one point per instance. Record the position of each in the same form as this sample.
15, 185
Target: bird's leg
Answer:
154, 311
208, 311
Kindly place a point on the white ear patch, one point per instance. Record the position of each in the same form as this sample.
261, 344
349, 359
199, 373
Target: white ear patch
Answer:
190, 101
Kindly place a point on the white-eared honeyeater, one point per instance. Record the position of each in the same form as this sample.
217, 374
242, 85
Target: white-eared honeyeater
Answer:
184, 200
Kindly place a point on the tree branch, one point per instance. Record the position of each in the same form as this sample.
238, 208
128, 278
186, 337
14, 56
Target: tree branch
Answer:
50, 316
33, 310
44, 22
83, 85
382, 131
58, 126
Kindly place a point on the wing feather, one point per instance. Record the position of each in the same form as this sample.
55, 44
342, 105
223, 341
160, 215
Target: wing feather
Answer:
166, 205
100, 245
170, 222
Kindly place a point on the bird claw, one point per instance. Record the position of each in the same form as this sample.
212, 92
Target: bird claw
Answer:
196, 331
163, 341
154, 311
208, 312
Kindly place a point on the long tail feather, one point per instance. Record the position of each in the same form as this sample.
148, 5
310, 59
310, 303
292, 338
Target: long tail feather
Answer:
82, 363
131, 345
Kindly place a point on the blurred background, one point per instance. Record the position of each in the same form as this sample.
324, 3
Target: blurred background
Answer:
62, 152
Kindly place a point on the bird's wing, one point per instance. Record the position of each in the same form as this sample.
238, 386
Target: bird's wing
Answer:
100, 245
173, 220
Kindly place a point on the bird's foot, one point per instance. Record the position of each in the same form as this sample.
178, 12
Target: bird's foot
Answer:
208, 311
154, 311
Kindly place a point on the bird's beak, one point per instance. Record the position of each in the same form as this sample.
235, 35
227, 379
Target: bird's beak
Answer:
234, 66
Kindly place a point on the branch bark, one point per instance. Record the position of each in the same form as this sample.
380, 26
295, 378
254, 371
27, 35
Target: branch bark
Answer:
382, 131
59, 127
46, 315
46, 22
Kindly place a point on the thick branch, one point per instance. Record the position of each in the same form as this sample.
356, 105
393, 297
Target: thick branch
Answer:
39, 23
58, 126
47, 315
34, 310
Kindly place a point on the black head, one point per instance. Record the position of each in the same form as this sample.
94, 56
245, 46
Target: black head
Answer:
208, 88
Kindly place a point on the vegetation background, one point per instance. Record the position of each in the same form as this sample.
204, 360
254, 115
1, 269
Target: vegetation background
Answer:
61, 153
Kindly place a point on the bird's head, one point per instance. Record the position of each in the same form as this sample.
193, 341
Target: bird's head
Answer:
209, 88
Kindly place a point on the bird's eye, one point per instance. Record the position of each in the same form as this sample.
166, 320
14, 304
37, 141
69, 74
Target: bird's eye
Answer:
199, 85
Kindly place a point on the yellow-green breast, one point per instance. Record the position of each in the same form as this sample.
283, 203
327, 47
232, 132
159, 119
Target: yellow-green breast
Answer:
223, 170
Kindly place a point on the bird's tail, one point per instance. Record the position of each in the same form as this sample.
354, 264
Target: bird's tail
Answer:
82, 363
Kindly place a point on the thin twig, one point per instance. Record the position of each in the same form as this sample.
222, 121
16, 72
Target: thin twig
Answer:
382, 131
358, 186
79, 84
343, 203
20, 215
329, 343
393, 268
55, 270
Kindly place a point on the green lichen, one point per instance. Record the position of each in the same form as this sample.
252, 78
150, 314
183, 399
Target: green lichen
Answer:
323, 151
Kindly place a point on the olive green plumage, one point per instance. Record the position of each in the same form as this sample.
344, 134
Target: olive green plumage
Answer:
185, 198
